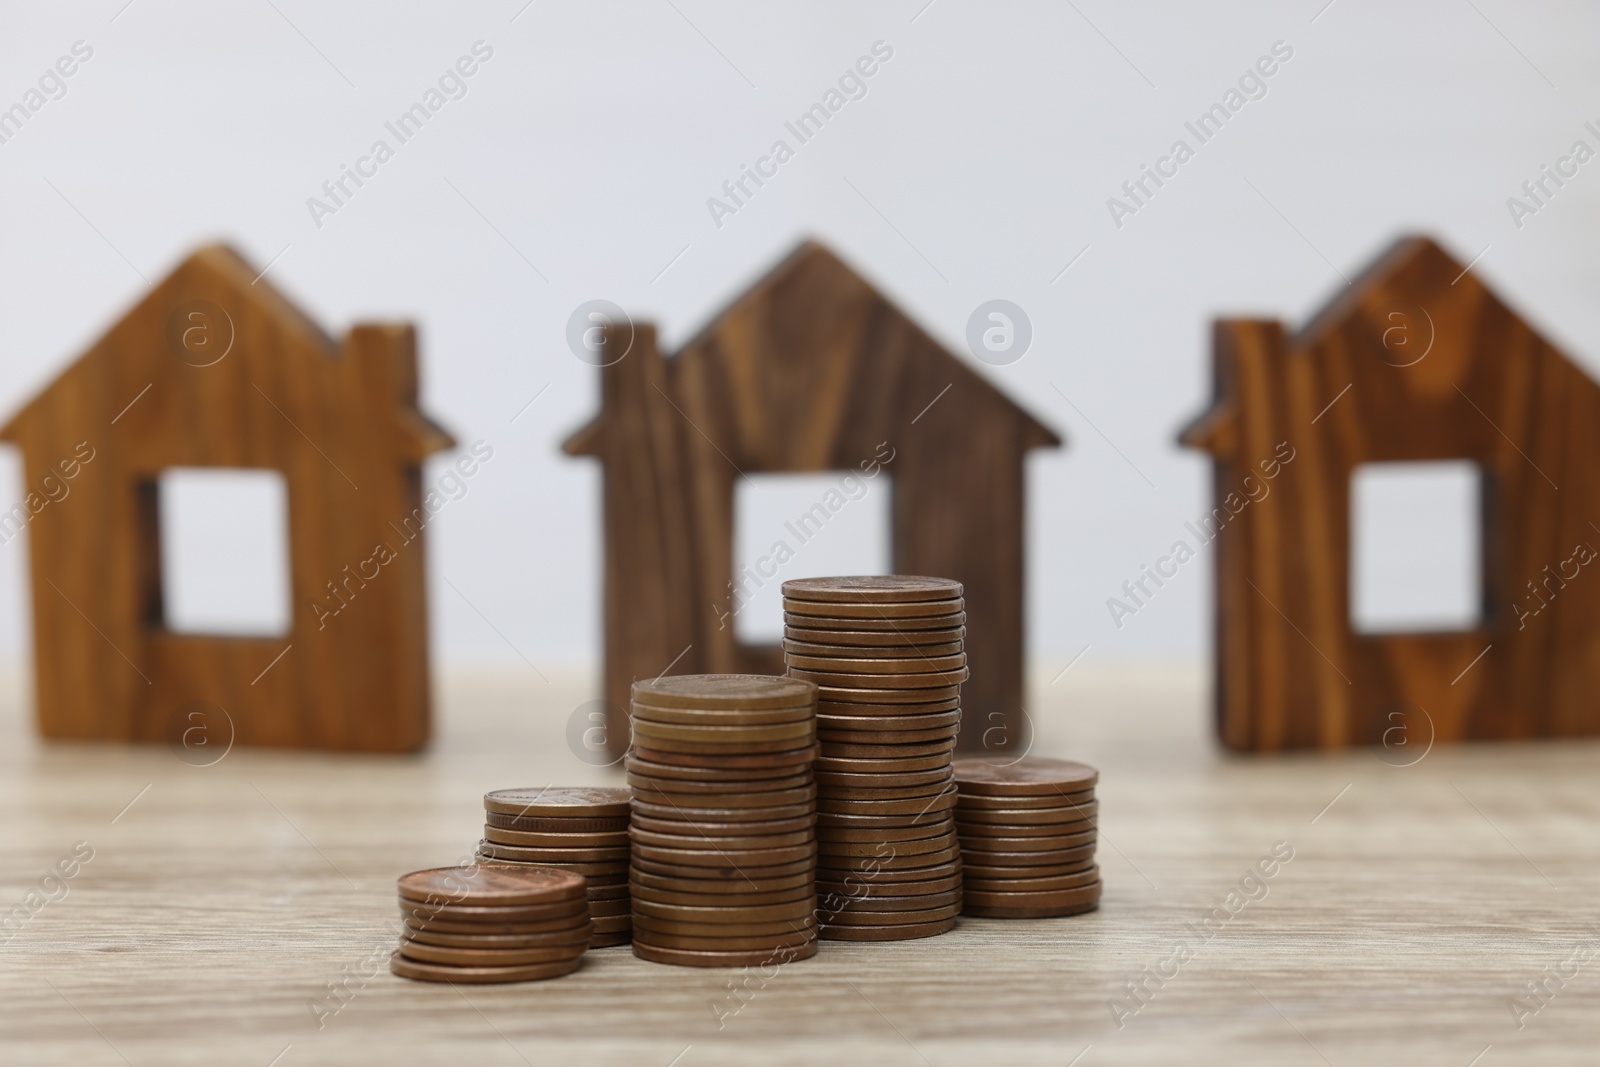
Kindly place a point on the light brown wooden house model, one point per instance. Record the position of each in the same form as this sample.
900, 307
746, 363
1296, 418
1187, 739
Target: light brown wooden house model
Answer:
1416, 360
810, 370
338, 420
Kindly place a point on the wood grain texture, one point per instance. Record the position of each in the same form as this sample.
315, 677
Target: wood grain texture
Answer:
221, 903
338, 421
810, 370
1416, 361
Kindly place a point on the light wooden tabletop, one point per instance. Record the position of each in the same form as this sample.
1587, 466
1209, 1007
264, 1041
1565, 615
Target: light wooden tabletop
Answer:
221, 901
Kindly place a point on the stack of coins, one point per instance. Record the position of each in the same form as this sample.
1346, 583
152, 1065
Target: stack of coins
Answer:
1028, 837
581, 830
491, 924
724, 813
888, 659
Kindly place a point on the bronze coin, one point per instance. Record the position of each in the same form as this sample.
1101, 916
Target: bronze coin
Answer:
850, 750
889, 665
692, 840
712, 856
800, 626
610, 940
1029, 776
931, 681
719, 829
1058, 898
725, 734
877, 848
890, 712
437, 972
599, 893
718, 775
682, 814
981, 912
491, 942
722, 716
874, 639
980, 831
682, 934
794, 647
888, 737
751, 787
871, 588
895, 722
556, 825
886, 933
739, 691
529, 839
741, 869
1059, 843
1032, 816
877, 765
883, 905
784, 759
605, 873
645, 882
837, 794
832, 781
861, 917
902, 609
725, 898
613, 924
716, 750
668, 798
940, 699
572, 940
984, 869
978, 802
551, 801
466, 913
757, 957
426, 928
718, 913
913, 805
831, 893
1091, 873
551, 855
879, 833
490, 884
852, 821
607, 909
907, 860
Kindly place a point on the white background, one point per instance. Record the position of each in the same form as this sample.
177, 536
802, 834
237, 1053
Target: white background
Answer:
978, 166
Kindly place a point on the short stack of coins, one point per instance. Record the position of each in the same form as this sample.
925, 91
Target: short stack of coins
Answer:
491, 924
577, 829
1028, 837
887, 655
724, 814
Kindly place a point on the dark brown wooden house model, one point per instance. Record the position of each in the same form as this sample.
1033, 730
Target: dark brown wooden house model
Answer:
1417, 361
213, 368
811, 370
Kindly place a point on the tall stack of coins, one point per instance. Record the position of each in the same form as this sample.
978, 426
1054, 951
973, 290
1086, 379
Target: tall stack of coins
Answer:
724, 812
888, 659
1028, 837
581, 830
491, 924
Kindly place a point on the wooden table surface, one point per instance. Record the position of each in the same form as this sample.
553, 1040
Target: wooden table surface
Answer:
221, 901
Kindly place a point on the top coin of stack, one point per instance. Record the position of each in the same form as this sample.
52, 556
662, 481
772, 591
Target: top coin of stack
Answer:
724, 809
491, 924
887, 655
1028, 837
583, 830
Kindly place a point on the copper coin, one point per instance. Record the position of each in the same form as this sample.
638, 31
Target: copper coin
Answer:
598, 872
805, 891
898, 750
730, 747
800, 626
978, 802
557, 801
895, 723
613, 924
530, 839
751, 787
681, 814
572, 940
929, 699
931, 681
756, 957
862, 917
865, 710
719, 775
731, 869
871, 588
888, 665
669, 798
1089, 874
485, 942
984, 869
876, 848
692, 840
437, 972
610, 940
886, 933
490, 884
863, 889
1029, 776
599, 893
901, 609
858, 821
427, 929
556, 825
794, 647
1032, 816
608, 909
884, 905
832, 781
547, 855
874, 639
739, 691
792, 909
1049, 829
711, 856
653, 929
706, 828
466, 913
837, 794
784, 759
907, 860
888, 737
1058, 898
721, 716
888, 834
981, 912
646, 882
720, 734
1059, 843
876, 765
